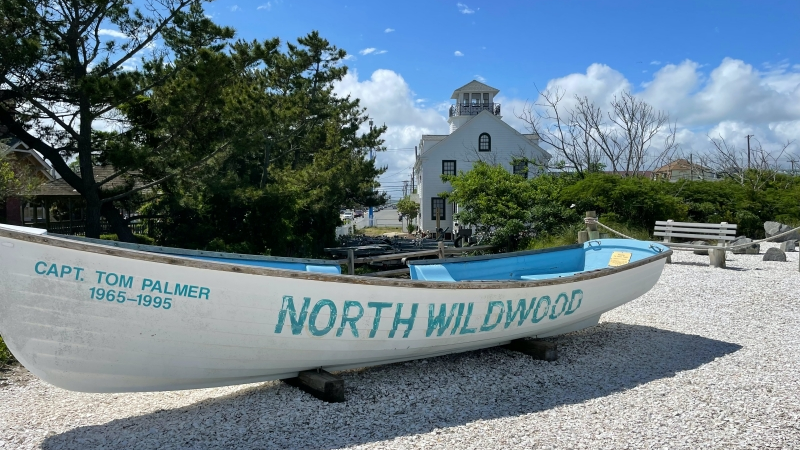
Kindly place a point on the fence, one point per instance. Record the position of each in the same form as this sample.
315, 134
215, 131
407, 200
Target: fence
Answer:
441, 252
78, 227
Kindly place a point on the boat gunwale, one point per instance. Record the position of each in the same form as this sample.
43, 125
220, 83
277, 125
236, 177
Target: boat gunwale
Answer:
177, 251
72, 244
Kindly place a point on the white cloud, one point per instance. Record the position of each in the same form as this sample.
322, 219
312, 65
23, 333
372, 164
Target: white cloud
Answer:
266, 6
389, 30
655, 63
112, 33
480, 78
350, 57
389, 99
372, 51
464, 9
730, 100
235, 8
458, 53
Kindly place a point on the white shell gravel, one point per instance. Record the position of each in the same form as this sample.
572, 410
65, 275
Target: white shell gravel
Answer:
707, 359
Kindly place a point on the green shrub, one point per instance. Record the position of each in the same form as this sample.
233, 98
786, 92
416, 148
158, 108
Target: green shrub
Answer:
5, 355
140, 238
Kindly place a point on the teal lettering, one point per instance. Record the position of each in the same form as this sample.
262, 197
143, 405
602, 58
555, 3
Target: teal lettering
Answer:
156, 287
492, 305
166, 288
53, 270
181, 290
523, 312
192, 292
36, 267
576, 294
375, 322
439, 323
312, 320
563, 303
100, 274
204, 291
536, 318
458, 319
398, 321
125, 281
297, 322
146, 283
78, 271
112, 281
65, 270
351, 320
464, 329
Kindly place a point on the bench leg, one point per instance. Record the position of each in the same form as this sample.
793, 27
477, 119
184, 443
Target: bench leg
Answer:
716, 257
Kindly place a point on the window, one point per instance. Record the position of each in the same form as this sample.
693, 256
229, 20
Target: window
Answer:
476, 98
484, 142
485, 99
521, 168
448, 167
466, 99
437, 202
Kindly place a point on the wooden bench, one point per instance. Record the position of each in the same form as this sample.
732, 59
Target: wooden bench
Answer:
723, 233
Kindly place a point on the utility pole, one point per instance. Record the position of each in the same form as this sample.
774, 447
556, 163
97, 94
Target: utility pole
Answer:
748, 149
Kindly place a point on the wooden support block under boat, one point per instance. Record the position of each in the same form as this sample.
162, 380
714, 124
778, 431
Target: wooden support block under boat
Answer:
543, 350
319, 383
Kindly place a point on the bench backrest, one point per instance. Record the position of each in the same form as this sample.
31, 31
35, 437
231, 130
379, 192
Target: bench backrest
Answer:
718, 231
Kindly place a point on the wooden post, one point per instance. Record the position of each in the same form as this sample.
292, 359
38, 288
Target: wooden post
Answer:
583, 236
440, 246
546, 351
47, 214
592, 228
716, 257
438, 217
319, 383
351, 264
667, 239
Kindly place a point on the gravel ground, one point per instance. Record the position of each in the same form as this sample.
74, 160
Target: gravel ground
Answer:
707, 359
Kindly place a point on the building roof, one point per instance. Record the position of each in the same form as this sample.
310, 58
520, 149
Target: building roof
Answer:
474, 86
680, 164
60, 188
544, 155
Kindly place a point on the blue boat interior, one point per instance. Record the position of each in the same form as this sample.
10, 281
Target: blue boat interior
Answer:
290, 265
536, 264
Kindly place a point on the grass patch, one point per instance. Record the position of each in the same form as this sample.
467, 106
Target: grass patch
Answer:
5, 355
377, 231
569, 235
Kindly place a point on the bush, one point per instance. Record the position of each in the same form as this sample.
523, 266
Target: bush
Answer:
5, 355
140, 238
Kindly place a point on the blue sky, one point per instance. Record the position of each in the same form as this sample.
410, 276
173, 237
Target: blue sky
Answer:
724, 67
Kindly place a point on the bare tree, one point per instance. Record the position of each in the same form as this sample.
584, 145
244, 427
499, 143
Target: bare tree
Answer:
586, 138
753, 170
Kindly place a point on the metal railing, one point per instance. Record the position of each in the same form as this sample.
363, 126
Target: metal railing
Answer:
473, 109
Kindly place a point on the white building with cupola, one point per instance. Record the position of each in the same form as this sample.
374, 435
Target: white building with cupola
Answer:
477, 133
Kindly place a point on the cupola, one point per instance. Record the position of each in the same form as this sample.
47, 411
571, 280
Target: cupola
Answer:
472, 99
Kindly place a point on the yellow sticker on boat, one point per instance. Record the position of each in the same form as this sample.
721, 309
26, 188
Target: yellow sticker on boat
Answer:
619, 259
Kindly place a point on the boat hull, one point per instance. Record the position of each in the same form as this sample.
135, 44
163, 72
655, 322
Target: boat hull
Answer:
227, 324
